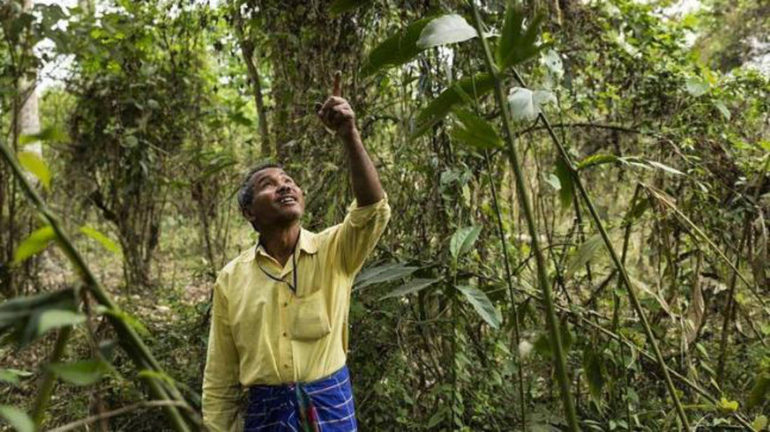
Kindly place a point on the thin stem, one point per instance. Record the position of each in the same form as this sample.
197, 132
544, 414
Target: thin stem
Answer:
509, 282
545, 287
49, 378
114, 413
626, 240
129, 340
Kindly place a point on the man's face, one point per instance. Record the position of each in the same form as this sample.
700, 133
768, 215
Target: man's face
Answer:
277, 199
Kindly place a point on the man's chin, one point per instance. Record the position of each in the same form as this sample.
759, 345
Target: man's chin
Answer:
289, 215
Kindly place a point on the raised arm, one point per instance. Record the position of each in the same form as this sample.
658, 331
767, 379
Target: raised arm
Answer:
337, 115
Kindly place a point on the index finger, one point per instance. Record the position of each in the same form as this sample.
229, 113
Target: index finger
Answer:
337, 91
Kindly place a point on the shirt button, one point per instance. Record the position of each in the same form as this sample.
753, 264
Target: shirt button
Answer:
286, 366
285, 304
285, 335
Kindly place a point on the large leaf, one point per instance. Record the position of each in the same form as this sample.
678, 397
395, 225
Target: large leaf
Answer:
592, 367
444, 30
35, 243
35, 164
105, 241
517, 45
474, 131
470, 87
479, 300
413, 286
81, 373
395, 50
696, 86
526, 104
55, 318
462, 240
383, 273
17, 418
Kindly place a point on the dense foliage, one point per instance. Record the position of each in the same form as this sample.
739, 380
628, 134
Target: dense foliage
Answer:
580, 233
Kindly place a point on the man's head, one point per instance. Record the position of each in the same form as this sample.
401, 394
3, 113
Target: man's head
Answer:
269, 197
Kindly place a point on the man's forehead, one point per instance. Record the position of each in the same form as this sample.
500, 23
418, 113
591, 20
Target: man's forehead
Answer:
270, 172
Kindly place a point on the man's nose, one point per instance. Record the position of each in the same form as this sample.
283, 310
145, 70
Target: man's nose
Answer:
283, 188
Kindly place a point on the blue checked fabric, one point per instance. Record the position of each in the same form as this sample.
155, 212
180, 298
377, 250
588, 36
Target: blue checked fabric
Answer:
278, 408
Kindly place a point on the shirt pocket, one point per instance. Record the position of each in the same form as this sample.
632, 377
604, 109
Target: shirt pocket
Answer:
308, 318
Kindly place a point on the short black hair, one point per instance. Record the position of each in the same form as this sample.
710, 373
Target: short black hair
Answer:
246, 190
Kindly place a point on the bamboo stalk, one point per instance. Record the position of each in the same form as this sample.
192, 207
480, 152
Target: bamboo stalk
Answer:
545, 287
509, 282
634, 300
129, 340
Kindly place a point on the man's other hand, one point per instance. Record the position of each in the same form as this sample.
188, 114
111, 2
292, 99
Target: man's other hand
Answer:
336, 113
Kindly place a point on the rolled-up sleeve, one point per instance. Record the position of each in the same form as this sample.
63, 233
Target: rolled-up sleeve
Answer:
357, 235
221, 387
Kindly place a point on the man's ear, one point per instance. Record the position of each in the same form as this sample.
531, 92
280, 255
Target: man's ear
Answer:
247, 214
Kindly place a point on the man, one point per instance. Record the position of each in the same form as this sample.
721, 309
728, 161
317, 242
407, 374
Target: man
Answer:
280, 310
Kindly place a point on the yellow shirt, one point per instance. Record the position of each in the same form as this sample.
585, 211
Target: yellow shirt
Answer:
263, 333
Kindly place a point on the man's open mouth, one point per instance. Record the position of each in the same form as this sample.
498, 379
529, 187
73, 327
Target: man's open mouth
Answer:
287, 200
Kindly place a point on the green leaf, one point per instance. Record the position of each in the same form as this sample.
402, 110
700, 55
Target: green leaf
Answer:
727, 406
395, 50
482, 304
474, 131
55, 318
445, 30
516, 44
759, 392
11, 376
759, 423
592, 367
722, 109
385, 273
696, 86
474, 86
413, 286
51, 133
102, 239
553, 181
160, 376
526, 104
35, 164
35, 243
666, 168
596, 159
17, 418
462, 241
584, 254
127, 318
82, 372
341, 6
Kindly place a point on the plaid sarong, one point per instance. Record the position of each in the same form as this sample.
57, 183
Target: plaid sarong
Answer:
325, 405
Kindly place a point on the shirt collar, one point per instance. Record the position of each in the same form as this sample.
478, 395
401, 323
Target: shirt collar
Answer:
307, 244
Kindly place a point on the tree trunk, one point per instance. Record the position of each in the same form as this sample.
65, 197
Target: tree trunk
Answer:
322, 45
252, 64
